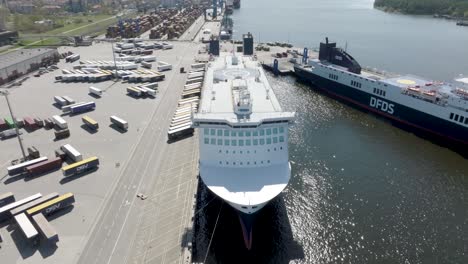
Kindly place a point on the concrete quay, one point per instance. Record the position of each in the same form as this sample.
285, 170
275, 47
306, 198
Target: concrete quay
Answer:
109, 223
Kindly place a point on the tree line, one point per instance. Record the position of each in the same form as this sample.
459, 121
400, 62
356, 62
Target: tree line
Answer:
456, 8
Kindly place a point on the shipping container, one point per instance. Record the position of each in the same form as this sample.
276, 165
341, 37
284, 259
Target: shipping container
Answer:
52, 205
164, 66
44, 166
82, 108
9, 133
60, 101
9, 121
151, 92
39, 122
194, 80
33, 153
60, 122
72, 152
5, 210
60, 154
195, 75
90, 122
174, 134
151, 85
133, 91
66, 108
69, 100
49, 123
95, 91
26, 226
198, 65
29, 123
45, 228
80, 167
26, 206
62, 133
119, 122
20, 168
3, 125
167, 46
146, 65
6, 198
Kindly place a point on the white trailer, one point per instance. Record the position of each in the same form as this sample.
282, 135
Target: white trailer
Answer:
148, 58
59, 121
26, 226
72, 152
119, 122
164, 66
95, 91
69, 100
60, 101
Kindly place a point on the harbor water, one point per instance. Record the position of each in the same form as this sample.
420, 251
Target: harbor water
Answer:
362, 190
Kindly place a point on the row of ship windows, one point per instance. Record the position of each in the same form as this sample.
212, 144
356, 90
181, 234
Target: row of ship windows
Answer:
458, 118
380, 92
333, 76
246, 151
242, 142
241, 133
365, 79
356, 84
241, 163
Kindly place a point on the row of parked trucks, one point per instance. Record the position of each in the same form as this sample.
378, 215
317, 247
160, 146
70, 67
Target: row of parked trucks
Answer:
150, 89
181, 124
30, 213
42, 165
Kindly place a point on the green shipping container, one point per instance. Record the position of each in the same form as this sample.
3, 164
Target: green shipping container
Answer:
10, 122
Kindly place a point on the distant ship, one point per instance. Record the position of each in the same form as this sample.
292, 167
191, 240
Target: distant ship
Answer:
243, 137
438, 108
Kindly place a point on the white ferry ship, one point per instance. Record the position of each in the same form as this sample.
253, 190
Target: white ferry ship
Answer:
243, 137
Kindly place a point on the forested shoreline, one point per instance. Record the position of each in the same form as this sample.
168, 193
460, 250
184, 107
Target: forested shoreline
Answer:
453, 8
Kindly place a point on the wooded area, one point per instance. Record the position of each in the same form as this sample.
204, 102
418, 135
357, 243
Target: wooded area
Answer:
457, 8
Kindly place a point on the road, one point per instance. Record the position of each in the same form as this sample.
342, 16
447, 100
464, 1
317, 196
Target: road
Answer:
115, 227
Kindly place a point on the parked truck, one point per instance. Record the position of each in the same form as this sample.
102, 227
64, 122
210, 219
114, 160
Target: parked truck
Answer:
91, 123
34, 203
62, 133
60, 122
26, 226
95, 91
6, 198
82, 108
45, 228
72, 152
5, 210
53, 205
80, 167
21, 167
8, 133
44, 166
60, 101
122, 124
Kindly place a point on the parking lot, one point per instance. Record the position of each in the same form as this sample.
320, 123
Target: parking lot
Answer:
116, 180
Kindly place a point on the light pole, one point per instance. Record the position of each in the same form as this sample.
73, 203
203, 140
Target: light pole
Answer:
5, 93
115, 63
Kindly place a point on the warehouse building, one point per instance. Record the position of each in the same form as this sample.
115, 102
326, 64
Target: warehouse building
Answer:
20, 62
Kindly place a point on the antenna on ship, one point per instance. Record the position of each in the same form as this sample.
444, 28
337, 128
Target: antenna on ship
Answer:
346, 47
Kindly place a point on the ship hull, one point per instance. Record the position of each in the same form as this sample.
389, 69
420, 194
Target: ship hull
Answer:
401, 114
247, 224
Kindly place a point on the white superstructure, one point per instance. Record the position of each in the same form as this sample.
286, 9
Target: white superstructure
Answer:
243, 134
